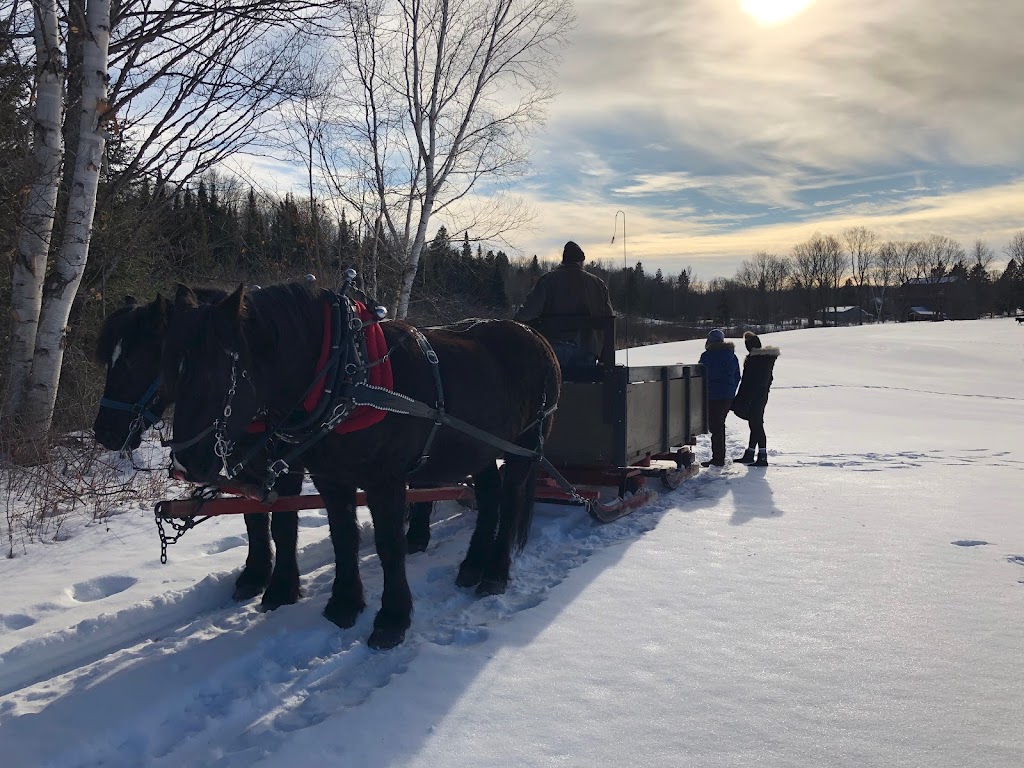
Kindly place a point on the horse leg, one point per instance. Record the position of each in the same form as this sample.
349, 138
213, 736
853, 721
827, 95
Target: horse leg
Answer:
387, 506
256, 574
347, 601
516, 513
487, 486
418, 536
284, 586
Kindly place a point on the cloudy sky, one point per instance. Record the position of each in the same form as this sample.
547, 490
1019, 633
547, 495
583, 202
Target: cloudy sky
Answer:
721, 127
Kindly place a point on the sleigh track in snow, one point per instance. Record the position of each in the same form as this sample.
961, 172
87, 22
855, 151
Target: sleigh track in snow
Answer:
286, 670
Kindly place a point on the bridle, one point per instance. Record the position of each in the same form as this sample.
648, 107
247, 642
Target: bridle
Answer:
142, 409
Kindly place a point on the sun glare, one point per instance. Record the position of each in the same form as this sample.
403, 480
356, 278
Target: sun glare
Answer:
771, 12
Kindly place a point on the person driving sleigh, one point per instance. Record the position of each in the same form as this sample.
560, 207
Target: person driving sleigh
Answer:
568, 292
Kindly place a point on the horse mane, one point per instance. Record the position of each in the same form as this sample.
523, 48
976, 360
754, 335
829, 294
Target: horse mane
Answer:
129, 317
111, 332
289, 310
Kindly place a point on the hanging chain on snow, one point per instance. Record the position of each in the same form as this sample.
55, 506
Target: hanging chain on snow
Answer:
201, 495
179, 530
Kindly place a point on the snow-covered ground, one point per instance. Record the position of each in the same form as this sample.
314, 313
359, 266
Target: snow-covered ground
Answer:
858, 603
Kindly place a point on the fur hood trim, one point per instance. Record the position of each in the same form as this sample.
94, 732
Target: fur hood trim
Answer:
720, 345
765, 352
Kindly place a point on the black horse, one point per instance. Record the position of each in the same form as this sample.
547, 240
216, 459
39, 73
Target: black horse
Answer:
256, 357
129, 345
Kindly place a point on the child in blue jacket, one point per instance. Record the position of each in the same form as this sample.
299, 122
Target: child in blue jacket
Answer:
723, 371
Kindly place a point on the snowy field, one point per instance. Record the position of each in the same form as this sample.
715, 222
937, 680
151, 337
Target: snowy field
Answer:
858, 603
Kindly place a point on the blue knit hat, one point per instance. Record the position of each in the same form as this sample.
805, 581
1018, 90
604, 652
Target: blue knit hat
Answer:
716, 336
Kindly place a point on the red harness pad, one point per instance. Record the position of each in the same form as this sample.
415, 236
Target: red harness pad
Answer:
379, 374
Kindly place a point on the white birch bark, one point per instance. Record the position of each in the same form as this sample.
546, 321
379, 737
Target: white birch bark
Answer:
40, 206
66, 275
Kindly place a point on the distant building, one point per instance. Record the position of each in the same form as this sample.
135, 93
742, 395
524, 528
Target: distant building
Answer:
923, 313
937, 298
845, 316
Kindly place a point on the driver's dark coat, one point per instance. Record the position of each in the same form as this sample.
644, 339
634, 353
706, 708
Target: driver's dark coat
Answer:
569, 290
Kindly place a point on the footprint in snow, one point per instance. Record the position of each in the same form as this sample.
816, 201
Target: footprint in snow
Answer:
1017, 559
968, 543
223, 545
98, 589
461, 636
12, 622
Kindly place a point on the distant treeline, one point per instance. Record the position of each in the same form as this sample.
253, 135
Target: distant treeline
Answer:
149, 235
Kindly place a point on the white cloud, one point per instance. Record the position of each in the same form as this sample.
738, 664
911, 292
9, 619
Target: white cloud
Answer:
846, 83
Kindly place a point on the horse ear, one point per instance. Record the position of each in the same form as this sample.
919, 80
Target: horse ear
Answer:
185, 298
233, 307
163, 309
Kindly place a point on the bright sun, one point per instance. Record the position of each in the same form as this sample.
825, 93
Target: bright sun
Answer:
774, 11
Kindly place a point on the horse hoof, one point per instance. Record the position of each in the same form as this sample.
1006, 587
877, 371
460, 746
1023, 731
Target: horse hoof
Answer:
272, 600
469, 576
245, 592
492, 587
385, 639
342, 615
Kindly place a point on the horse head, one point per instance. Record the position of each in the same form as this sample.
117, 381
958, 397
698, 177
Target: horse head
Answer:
129, 345
207, 369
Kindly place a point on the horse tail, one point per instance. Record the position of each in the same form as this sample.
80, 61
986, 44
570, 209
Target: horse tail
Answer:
524, 509
528, 488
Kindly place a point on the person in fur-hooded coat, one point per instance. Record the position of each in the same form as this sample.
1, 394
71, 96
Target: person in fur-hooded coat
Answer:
752, 397
723, 371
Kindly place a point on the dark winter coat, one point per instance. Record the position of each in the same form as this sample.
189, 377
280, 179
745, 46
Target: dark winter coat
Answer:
723, 370
569, 290
752, 398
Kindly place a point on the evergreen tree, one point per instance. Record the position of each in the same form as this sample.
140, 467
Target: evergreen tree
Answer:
254, 234
14, 141
496, 296
1010, 288
435, 260
981, 289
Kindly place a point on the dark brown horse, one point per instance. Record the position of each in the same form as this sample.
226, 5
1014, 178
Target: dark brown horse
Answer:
129, 345
256, 357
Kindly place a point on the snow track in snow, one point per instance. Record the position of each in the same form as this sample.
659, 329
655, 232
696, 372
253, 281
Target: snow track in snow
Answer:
234, 679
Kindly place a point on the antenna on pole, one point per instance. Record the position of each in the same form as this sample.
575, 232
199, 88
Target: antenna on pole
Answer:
625, 274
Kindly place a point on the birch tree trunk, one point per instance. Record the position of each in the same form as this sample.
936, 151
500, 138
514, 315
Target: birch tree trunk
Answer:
62, 283
413, 261
40, 206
